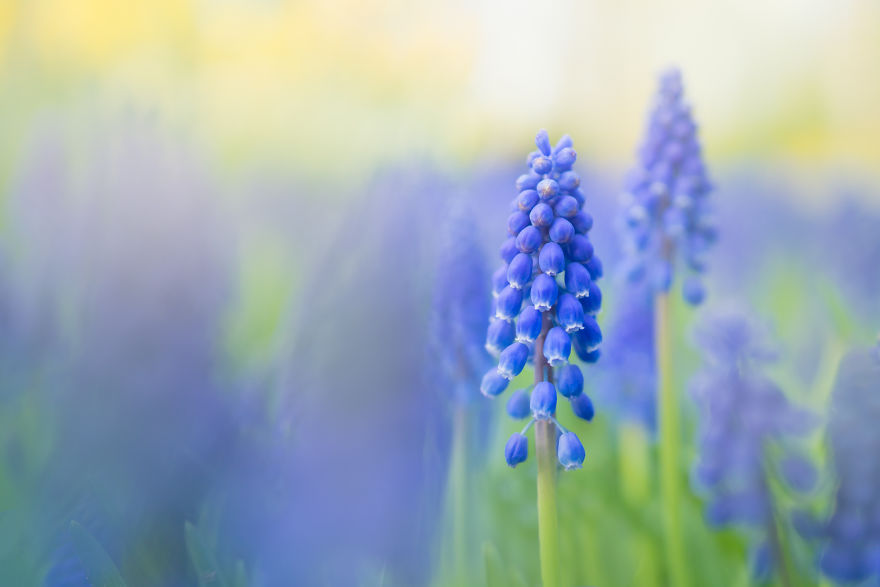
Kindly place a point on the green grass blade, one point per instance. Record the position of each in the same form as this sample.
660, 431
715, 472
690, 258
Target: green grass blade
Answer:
98, 565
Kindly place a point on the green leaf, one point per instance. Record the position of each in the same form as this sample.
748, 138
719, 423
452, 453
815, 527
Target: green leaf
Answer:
517, 579
239, 577
203, 560
496, 576
98, 565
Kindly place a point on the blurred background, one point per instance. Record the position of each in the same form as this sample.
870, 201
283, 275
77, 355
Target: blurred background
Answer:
221, 268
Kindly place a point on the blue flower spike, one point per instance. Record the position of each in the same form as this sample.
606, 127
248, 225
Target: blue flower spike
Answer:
666, 214
849, 553
742, 413
546, 299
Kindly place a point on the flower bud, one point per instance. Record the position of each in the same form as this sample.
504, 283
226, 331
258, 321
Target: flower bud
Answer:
594, 266
527, 181
516, 222
582, 222
569, 313
493, 383
561, 231
551, 259
508, 250
557, 346
543, 400
518, 406
569, 181
516, 450
593, 302
591, 335
513, 360
566, 207
580, 248
577, 280
528, 325
565, 158
529, 239
542, 140
519, 272
508, 303
582, 407
499, 280
527, 200
547, 188
570, 381
544, 292
499, 336
693, 291
542, 215
542, 165
570, 451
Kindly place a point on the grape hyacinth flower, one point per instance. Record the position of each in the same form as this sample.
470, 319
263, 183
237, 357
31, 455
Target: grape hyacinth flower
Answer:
666, 217
458, 312
851, 535
546, 299
456, 353
628, 374
545, 290
746, 430
665, 209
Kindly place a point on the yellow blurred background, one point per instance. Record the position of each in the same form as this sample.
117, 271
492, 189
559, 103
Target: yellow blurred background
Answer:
333, 89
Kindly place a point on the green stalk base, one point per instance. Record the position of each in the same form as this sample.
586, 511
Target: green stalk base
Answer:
548, 524
670, 449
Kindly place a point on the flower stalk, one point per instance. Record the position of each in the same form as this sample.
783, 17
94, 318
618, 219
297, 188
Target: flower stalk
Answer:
545, 447
670, 439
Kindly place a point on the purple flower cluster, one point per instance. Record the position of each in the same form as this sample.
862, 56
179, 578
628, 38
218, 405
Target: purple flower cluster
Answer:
851, 535
746, 428
546, 297
461, 300
665, 209
627, 378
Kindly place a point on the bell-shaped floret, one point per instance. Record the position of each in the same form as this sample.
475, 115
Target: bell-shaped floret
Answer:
570, 451
557, 346
543, 400
544, 292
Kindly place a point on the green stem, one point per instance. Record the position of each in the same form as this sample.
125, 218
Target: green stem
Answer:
779, 552
635, 487
774, 528
545, 447
670, 440
548, 532
635, 465
459, 495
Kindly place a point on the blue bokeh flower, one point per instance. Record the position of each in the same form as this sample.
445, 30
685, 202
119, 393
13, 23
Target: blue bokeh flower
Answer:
747, 427
628, 372
460, 304
546, 293
851, 534
131, 261
666, 216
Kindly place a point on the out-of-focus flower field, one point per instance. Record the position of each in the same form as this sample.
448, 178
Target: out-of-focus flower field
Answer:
246, 275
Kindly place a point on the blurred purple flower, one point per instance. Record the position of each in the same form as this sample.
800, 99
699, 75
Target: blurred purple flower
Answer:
666, 214
125, 270
744, 420
357, 484
851, 535
626, 378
